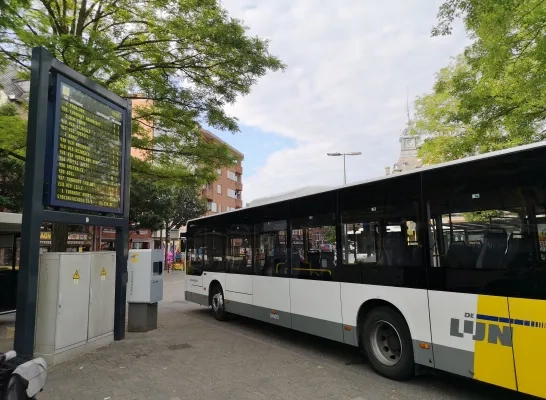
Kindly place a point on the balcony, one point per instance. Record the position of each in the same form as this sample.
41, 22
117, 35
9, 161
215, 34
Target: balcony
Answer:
239, 203
238, 169
207, 193
239, 186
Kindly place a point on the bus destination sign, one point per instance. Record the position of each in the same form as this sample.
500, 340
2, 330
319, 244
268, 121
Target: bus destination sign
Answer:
88, 144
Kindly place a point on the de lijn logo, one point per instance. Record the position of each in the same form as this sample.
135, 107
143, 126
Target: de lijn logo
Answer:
482, 329
496, 330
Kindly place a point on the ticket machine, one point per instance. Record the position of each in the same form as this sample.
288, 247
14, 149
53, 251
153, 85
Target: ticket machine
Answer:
144, 288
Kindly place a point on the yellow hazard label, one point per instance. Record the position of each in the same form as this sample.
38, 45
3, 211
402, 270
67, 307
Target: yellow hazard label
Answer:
103, 273
134, 258
76, 277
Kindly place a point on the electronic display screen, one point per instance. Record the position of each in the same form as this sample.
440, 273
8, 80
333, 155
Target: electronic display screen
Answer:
88, 152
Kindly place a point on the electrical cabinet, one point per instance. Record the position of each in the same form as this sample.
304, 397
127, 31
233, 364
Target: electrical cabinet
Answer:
145, 276
62, 308
100, 330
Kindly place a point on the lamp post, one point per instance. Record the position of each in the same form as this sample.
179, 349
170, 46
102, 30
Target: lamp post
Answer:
337, 154
352, 153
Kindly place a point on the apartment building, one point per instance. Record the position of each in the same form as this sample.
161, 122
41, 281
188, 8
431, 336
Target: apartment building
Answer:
225, 194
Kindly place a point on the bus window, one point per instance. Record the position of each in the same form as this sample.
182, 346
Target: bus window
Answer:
383, 244
214, 251
485, 241
239, 249
270, 256
313, 247
195, 254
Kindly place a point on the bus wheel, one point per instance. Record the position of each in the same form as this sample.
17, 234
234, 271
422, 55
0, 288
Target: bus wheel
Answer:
387, 343
217, 302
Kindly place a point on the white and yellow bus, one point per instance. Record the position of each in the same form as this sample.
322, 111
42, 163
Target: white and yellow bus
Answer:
442, 267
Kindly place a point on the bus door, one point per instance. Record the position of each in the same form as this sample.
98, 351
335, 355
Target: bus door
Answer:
471, 332
195, 259
239, 261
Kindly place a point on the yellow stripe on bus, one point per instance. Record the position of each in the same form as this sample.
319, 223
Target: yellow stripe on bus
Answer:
493, 358
529, 332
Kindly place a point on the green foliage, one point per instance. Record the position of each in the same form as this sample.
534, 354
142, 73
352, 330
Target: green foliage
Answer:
8, 110
483, 216
13, 131
187, 56
330, 234
156, 205
494, 95
11, 183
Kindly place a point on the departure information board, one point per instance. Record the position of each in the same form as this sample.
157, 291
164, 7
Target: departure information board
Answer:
88, 156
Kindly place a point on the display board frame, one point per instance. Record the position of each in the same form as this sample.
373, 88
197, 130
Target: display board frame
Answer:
52, 156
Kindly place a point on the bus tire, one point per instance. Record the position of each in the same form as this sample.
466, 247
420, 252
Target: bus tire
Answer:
387, 343
218, 303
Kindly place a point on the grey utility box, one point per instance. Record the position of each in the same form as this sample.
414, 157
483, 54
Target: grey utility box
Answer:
62, 308
144, 288
100, 330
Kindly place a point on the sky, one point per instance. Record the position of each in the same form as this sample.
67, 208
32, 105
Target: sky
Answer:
350, 64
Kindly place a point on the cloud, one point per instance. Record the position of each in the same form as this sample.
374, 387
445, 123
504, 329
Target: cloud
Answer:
349, 64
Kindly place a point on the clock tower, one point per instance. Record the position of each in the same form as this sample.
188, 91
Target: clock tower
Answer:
409, 145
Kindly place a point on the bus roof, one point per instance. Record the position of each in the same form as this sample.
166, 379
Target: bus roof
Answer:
308, 191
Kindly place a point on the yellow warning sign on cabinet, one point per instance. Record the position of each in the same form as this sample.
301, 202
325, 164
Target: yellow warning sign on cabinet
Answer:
76, 277
134, 258
103, 274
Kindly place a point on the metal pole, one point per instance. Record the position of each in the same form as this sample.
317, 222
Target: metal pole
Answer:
344, 171
122, 240
27, 282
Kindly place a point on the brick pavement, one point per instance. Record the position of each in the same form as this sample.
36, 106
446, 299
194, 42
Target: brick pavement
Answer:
193, 356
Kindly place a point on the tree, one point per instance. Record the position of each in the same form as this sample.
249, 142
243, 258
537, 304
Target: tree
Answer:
13, 130
12, 150
157, 206
187, 56
493, 95
11, 183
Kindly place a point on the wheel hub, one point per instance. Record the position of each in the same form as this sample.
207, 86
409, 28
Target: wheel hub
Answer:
385, 343
217, 301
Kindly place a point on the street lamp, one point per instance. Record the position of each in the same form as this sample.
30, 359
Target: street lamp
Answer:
351, 153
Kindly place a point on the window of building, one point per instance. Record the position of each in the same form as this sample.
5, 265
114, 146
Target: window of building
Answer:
313, 243
232, 193
212, 206
219, 171
219, 189
232, 175
207, 186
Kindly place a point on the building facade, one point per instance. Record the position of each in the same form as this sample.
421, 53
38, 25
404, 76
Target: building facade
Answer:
225, 194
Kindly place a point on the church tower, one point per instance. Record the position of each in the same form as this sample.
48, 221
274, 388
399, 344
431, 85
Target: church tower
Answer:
409, 146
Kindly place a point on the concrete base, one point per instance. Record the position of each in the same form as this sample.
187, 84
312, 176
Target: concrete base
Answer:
55, 357
142, 317
99, 341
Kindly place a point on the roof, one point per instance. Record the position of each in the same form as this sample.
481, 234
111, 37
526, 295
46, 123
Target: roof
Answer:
301, 192
10, 222
296, 194
12, 86
216, 138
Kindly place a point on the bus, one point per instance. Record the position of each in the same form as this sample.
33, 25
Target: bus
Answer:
441, 267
